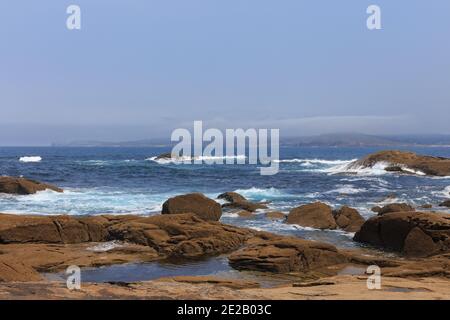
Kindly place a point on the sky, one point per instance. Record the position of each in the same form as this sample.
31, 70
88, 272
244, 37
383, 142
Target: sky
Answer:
138, 69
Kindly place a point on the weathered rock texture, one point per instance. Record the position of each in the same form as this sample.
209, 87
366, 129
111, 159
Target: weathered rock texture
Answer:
197, 203
285, 254
348, 219
315, 215
412, 233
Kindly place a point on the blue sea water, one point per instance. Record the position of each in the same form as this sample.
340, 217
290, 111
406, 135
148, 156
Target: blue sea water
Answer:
126, 180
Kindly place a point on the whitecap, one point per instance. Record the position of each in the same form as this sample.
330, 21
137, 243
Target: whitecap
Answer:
30, 159
189, 160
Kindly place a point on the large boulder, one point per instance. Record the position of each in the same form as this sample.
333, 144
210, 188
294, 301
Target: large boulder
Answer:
237, 201
395, 207
196, 203
22, 186
286, 254
348, 219
412, 233
315, 215
405, 162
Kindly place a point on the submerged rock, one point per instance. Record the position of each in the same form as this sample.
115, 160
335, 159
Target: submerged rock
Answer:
275, 215
314, 215
412, 233
196, 203
23, 186
406, 162
348, 219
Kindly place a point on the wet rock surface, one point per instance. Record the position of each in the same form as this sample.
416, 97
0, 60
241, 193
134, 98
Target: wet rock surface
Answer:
407, 163
23, 186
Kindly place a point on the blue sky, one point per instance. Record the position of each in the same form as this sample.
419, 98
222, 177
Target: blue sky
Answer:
138, 69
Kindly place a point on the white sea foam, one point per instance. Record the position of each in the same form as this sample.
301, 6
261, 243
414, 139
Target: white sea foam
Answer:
351, 168
347, 189
30, 159
261, 194
83, 201
106, 246
445, 193
309, 162
184, 159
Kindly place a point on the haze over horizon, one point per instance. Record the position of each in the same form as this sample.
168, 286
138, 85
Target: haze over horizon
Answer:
137, 70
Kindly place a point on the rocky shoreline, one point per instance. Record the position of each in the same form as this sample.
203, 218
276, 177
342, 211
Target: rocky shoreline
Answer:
411, 247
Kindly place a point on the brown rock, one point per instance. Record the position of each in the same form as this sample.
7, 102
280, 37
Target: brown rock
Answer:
223, 282
275, 215
445, 204
418, 244
315, 215
237, 201
376, 209
41, 229
245, 214
196, 203
12, 270
406, 162
395, 207
23, 186
348, 219
231, 197
426, 206
286, 254
181, 235
408, 232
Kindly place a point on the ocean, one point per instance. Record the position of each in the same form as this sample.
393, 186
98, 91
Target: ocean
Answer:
130, 181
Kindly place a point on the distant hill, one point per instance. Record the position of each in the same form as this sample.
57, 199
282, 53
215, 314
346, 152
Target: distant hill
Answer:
324, 140
341, 139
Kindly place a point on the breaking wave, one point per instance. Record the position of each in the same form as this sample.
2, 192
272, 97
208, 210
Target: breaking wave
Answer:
30, 159
188, 160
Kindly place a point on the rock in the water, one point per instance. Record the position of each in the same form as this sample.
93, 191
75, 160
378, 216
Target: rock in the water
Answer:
445, 204
245, 214
22, 186
395, 207
275, 215
412, 233
406, 162
237, 201
315, 215
426, 206
348, 219
376, 209
231, 197
164, 156
196, 203
286, 254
